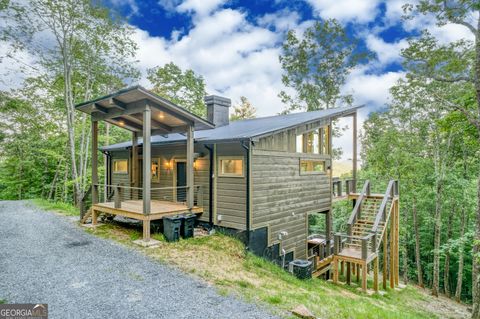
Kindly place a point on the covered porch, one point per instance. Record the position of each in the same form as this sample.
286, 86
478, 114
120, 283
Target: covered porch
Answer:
143, 113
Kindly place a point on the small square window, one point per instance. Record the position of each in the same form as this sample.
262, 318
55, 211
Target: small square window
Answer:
312, 167
231, 166
120, 166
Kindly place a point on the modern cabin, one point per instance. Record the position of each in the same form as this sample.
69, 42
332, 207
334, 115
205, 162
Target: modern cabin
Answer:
260, 178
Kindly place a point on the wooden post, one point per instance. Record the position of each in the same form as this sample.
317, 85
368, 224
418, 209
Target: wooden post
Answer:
375, 274
117, 197
397, 221
146, 230
349, 273
364, 276
94, 217
358, 272
147, 160
385, 255
335, 269
190, 169
328, 231
342, 268
94, 162
135, 164
392, 250
354, 155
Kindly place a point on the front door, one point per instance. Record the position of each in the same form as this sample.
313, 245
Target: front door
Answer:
181, 182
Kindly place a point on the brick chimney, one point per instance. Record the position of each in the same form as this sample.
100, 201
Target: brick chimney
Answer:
218, 110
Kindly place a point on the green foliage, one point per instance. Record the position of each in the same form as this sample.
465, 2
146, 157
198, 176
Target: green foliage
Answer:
317, 64
59, 207
243, 111
184, 88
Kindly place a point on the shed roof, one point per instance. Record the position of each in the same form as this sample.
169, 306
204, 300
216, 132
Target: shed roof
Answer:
246, 129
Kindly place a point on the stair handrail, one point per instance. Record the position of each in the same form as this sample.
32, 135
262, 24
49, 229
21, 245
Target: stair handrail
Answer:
390, 193
358, 204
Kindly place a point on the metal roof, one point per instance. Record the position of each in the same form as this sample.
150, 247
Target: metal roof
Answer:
124, 108
246, 129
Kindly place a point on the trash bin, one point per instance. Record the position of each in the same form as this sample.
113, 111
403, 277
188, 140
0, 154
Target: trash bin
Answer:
171, 227
302, 269
188, 225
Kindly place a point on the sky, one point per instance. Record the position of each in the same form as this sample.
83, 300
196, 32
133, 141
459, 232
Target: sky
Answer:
235, 44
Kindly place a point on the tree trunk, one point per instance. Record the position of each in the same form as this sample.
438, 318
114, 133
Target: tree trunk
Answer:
458, 291
446, 273
417, 244
436, 245
54, 181
476, 261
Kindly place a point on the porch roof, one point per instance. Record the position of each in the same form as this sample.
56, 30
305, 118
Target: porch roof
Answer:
124, 109
246, 129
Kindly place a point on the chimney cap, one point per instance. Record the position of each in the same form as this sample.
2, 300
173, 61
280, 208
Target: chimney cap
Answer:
217, 100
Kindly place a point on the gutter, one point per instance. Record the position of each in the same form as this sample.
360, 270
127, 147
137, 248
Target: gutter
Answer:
247, 204
210, 184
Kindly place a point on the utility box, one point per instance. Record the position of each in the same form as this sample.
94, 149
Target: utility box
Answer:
188, 225
302, 269
171, 227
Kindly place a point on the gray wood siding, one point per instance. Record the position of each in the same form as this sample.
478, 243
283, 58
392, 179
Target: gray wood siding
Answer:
122, 178
231, 192
282, 197
167, 156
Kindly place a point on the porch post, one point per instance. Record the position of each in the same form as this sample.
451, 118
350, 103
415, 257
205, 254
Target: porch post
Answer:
134, 165
94, 162
354, 155
147, 158
190, 169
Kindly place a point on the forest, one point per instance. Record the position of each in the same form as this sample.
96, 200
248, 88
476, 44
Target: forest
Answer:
427, 136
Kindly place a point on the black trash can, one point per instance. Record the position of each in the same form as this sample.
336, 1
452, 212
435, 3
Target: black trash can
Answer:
188, 225
171, 227
302, 269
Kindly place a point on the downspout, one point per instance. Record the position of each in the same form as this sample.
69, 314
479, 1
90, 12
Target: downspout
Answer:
247, 204
210, 185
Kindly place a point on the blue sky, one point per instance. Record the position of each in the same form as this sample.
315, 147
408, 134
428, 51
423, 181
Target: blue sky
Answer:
235, 44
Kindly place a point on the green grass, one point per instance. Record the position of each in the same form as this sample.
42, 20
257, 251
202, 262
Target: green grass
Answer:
2, 301
222, 261
59, 207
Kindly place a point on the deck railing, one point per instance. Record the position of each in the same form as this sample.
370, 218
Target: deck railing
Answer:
357, 210
367, 243
121, 193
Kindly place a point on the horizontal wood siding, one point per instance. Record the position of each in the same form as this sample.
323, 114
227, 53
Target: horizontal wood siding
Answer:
122, 179
231, 191
167, 156
282, 198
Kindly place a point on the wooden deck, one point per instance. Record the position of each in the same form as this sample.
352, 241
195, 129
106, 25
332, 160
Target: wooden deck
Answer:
134, 209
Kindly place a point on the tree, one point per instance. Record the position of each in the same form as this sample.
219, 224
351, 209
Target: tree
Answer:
317, 64
244, 110
184, 88
457, 62
83, 39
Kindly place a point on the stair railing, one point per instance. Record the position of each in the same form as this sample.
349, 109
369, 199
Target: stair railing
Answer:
83, 202
383, 214
357, 210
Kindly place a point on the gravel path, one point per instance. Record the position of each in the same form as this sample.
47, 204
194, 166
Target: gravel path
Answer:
46, 258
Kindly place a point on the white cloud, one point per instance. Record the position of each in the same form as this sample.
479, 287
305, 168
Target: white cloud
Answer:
200, 7
282, 20
386, 52
361, 11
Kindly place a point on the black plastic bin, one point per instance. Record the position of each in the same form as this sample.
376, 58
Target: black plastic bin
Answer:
302, 269
188, 225
171, 227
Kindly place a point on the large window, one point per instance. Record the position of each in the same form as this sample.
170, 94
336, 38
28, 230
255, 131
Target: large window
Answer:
314, 142
312, 167
155, 170
120, 166
231, 166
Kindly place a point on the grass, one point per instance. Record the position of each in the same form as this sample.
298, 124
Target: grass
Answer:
59, 207
223, 262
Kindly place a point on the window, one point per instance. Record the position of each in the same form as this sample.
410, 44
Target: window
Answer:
155, 170
312, 167
120, 166
314, 142
231, 166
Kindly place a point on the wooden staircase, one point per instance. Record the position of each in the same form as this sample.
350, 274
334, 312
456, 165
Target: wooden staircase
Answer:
372, 226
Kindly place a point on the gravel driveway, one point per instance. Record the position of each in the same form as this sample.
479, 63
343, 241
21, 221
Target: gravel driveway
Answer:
46, 258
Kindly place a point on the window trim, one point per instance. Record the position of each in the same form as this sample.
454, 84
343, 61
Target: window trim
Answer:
324, 172
221, 158
118, 160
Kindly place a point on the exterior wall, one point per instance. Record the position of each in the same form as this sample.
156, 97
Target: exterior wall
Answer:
230, 192
167, 156
282, 197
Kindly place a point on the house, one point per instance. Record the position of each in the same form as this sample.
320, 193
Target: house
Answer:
261, 178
